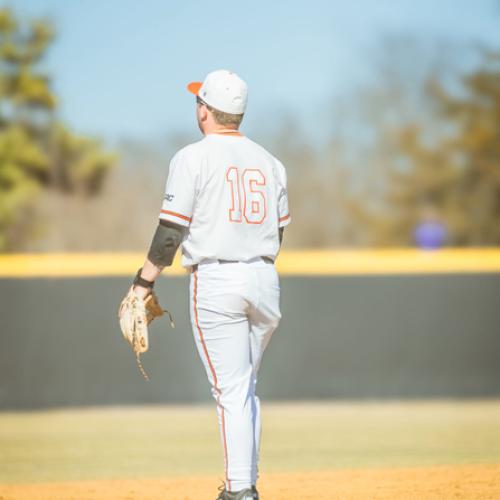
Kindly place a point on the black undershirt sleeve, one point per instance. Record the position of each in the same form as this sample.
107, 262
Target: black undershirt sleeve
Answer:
281, 231
166, 241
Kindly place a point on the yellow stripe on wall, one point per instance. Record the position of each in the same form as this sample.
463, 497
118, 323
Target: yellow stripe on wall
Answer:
73, 265
389, 261
289, 263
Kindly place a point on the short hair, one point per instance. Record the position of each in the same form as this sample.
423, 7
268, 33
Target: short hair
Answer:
221, 117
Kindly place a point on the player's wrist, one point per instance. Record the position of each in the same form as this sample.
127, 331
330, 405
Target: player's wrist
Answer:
142, 282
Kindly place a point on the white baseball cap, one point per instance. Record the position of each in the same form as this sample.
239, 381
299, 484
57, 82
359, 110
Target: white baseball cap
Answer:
222, 90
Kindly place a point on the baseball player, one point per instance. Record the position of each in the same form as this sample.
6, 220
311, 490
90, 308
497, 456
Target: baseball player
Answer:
226, 206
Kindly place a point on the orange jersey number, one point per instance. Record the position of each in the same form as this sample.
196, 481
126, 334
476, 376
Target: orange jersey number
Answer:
252, 182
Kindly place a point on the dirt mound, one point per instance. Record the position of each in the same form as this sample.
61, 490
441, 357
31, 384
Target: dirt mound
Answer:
475, 482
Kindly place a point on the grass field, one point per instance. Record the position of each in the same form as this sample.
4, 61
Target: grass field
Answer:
393, 450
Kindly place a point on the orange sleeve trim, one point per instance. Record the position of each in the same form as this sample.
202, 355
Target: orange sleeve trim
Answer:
175, 214
285, 217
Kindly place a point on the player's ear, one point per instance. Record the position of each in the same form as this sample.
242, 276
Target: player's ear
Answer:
203, 113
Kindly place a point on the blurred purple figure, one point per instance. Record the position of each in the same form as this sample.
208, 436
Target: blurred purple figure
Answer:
430, 234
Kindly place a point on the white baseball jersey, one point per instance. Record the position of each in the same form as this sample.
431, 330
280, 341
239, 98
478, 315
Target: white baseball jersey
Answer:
232, 195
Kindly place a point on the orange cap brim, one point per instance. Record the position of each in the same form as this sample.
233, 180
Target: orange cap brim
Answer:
194, 87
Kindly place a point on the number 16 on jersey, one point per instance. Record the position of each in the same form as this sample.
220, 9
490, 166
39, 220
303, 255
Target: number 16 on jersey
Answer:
251, 183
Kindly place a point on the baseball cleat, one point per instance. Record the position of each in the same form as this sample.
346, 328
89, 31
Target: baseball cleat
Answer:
246, 494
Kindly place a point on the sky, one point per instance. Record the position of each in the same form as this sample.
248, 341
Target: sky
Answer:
120, 67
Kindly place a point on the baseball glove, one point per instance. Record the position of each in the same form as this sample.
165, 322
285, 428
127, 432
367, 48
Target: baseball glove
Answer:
135, 315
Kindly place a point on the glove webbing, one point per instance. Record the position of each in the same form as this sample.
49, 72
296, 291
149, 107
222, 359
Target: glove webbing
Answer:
138, 354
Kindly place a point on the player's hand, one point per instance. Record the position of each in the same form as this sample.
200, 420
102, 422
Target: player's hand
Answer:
141, 291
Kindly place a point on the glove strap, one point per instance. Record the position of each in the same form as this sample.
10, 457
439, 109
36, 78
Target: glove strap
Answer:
139, 280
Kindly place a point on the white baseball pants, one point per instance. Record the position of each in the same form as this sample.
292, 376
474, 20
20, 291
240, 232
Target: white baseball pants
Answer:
234, 311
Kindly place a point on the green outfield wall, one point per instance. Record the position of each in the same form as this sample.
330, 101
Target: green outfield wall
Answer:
376, 336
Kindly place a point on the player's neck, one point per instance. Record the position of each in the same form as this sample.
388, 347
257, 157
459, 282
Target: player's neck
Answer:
221, 130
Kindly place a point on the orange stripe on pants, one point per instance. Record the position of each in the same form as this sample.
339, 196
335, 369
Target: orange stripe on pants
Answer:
214, 376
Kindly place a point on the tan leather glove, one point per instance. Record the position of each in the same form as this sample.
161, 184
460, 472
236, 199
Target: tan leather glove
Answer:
135, 314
